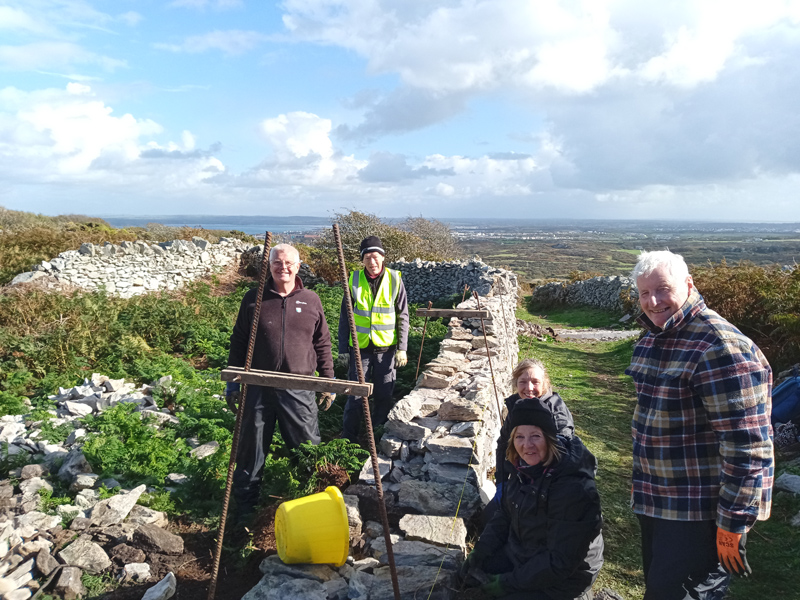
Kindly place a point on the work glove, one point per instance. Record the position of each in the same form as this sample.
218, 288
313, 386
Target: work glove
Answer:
344, 360
493, 587
326, 398
471, 562
731, 552
233, 400
401, 358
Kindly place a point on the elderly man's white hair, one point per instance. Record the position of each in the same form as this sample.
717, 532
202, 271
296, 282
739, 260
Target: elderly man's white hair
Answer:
286, 248
650, 261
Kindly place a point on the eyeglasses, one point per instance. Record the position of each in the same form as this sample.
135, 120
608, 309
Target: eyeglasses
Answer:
281, 264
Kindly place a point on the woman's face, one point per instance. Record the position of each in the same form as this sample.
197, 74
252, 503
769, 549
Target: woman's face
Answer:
531, 383
530, 444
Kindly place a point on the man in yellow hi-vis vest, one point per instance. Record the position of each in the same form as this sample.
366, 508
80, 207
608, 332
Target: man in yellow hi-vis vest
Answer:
380, 307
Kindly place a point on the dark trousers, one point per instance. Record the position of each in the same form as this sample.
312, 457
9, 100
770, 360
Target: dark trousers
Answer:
296, 414
680, 560
378, 369
499, 563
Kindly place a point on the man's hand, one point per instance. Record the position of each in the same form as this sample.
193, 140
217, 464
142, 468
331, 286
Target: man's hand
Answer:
326, 398
401, 358
233, 401
344, 360
494, 588
731, 552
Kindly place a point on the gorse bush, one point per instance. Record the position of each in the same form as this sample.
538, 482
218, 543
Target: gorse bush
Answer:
764, 302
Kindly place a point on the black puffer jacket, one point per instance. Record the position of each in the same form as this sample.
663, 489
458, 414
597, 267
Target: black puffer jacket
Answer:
561, 415
550, 526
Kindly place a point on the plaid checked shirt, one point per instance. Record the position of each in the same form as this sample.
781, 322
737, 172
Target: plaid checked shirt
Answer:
702, 438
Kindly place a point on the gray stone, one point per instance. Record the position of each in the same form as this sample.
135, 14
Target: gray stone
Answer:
390, 445
452, 473
27, 277
205, 450
466, 428
461, 409
37, 520
74, 464
85, 481
69, 584
87, 555
452, 449
163, 590
140, 515
414, 582
406, 408
123, 553
152, 538
45, 562
406, 430
353, 516
29, 487
435, 498
444, 531
136, 572
429, 379
367, 474
114, 509
34, 471
788, 483
86, 499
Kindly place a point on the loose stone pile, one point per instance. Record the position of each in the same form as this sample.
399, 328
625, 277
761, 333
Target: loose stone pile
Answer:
603, 292
434, 459
427, 280
133, 268
114, 535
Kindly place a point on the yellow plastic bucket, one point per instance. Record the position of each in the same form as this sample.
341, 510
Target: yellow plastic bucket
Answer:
313, 529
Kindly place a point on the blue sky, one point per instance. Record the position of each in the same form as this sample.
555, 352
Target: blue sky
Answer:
464, 108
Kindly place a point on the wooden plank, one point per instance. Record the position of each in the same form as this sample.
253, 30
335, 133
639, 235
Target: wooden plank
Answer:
288, 381
464, 313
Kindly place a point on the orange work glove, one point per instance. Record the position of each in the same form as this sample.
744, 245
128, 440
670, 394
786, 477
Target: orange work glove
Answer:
731, 552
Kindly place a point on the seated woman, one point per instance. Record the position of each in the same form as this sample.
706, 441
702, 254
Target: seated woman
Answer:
545, 541
532, 383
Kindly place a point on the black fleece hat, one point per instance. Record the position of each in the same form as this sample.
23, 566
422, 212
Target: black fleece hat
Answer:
532, 414
372, 244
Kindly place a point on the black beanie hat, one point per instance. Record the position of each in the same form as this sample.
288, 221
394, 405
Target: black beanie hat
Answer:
532, 414
372, 244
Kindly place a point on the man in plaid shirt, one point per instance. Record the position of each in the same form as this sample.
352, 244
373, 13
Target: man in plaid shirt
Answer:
702, 439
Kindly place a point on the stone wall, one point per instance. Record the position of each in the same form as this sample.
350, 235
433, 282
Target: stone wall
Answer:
133, 268
427, 280
603, 292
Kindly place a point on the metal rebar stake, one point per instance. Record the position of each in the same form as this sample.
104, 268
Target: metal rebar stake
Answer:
422, 343
262, 281
367, 417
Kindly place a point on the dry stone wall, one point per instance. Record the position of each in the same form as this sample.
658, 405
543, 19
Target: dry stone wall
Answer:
133, 268
603, 292
427, 280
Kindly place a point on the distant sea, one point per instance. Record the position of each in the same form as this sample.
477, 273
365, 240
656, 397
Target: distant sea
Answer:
254, 225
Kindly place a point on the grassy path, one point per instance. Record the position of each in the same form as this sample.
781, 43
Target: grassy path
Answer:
590, 378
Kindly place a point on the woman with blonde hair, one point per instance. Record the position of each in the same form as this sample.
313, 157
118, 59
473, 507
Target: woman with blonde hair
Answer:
545, 541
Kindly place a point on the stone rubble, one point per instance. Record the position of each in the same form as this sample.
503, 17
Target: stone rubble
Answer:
114, 535
609, 293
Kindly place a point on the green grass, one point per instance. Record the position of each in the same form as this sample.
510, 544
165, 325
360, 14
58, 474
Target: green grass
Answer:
589, 377
574, 317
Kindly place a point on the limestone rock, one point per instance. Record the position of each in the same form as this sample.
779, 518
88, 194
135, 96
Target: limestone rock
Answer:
440, 499
460, 409
443, 531
163, 590
788, 483
140, 515
74, 464
136, 572
87, 555
151, 538
452, 449
114, 509
69, 584
367, 474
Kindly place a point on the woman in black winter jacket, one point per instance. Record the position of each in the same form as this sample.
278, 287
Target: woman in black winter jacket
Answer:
532, 384
546, 542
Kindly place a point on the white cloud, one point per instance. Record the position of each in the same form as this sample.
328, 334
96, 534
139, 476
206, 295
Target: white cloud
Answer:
50, 55
232, 42
131, 18
15, 19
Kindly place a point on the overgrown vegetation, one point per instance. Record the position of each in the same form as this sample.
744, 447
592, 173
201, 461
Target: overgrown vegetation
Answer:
412, 238
762, 301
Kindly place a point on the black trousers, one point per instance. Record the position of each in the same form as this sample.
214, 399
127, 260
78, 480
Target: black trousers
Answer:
297, 416
680, 560
499, 563
378, 369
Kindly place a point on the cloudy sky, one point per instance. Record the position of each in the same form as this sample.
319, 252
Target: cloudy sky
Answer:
463, 108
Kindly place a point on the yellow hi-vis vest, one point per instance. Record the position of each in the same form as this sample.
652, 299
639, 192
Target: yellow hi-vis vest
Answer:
375, 318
